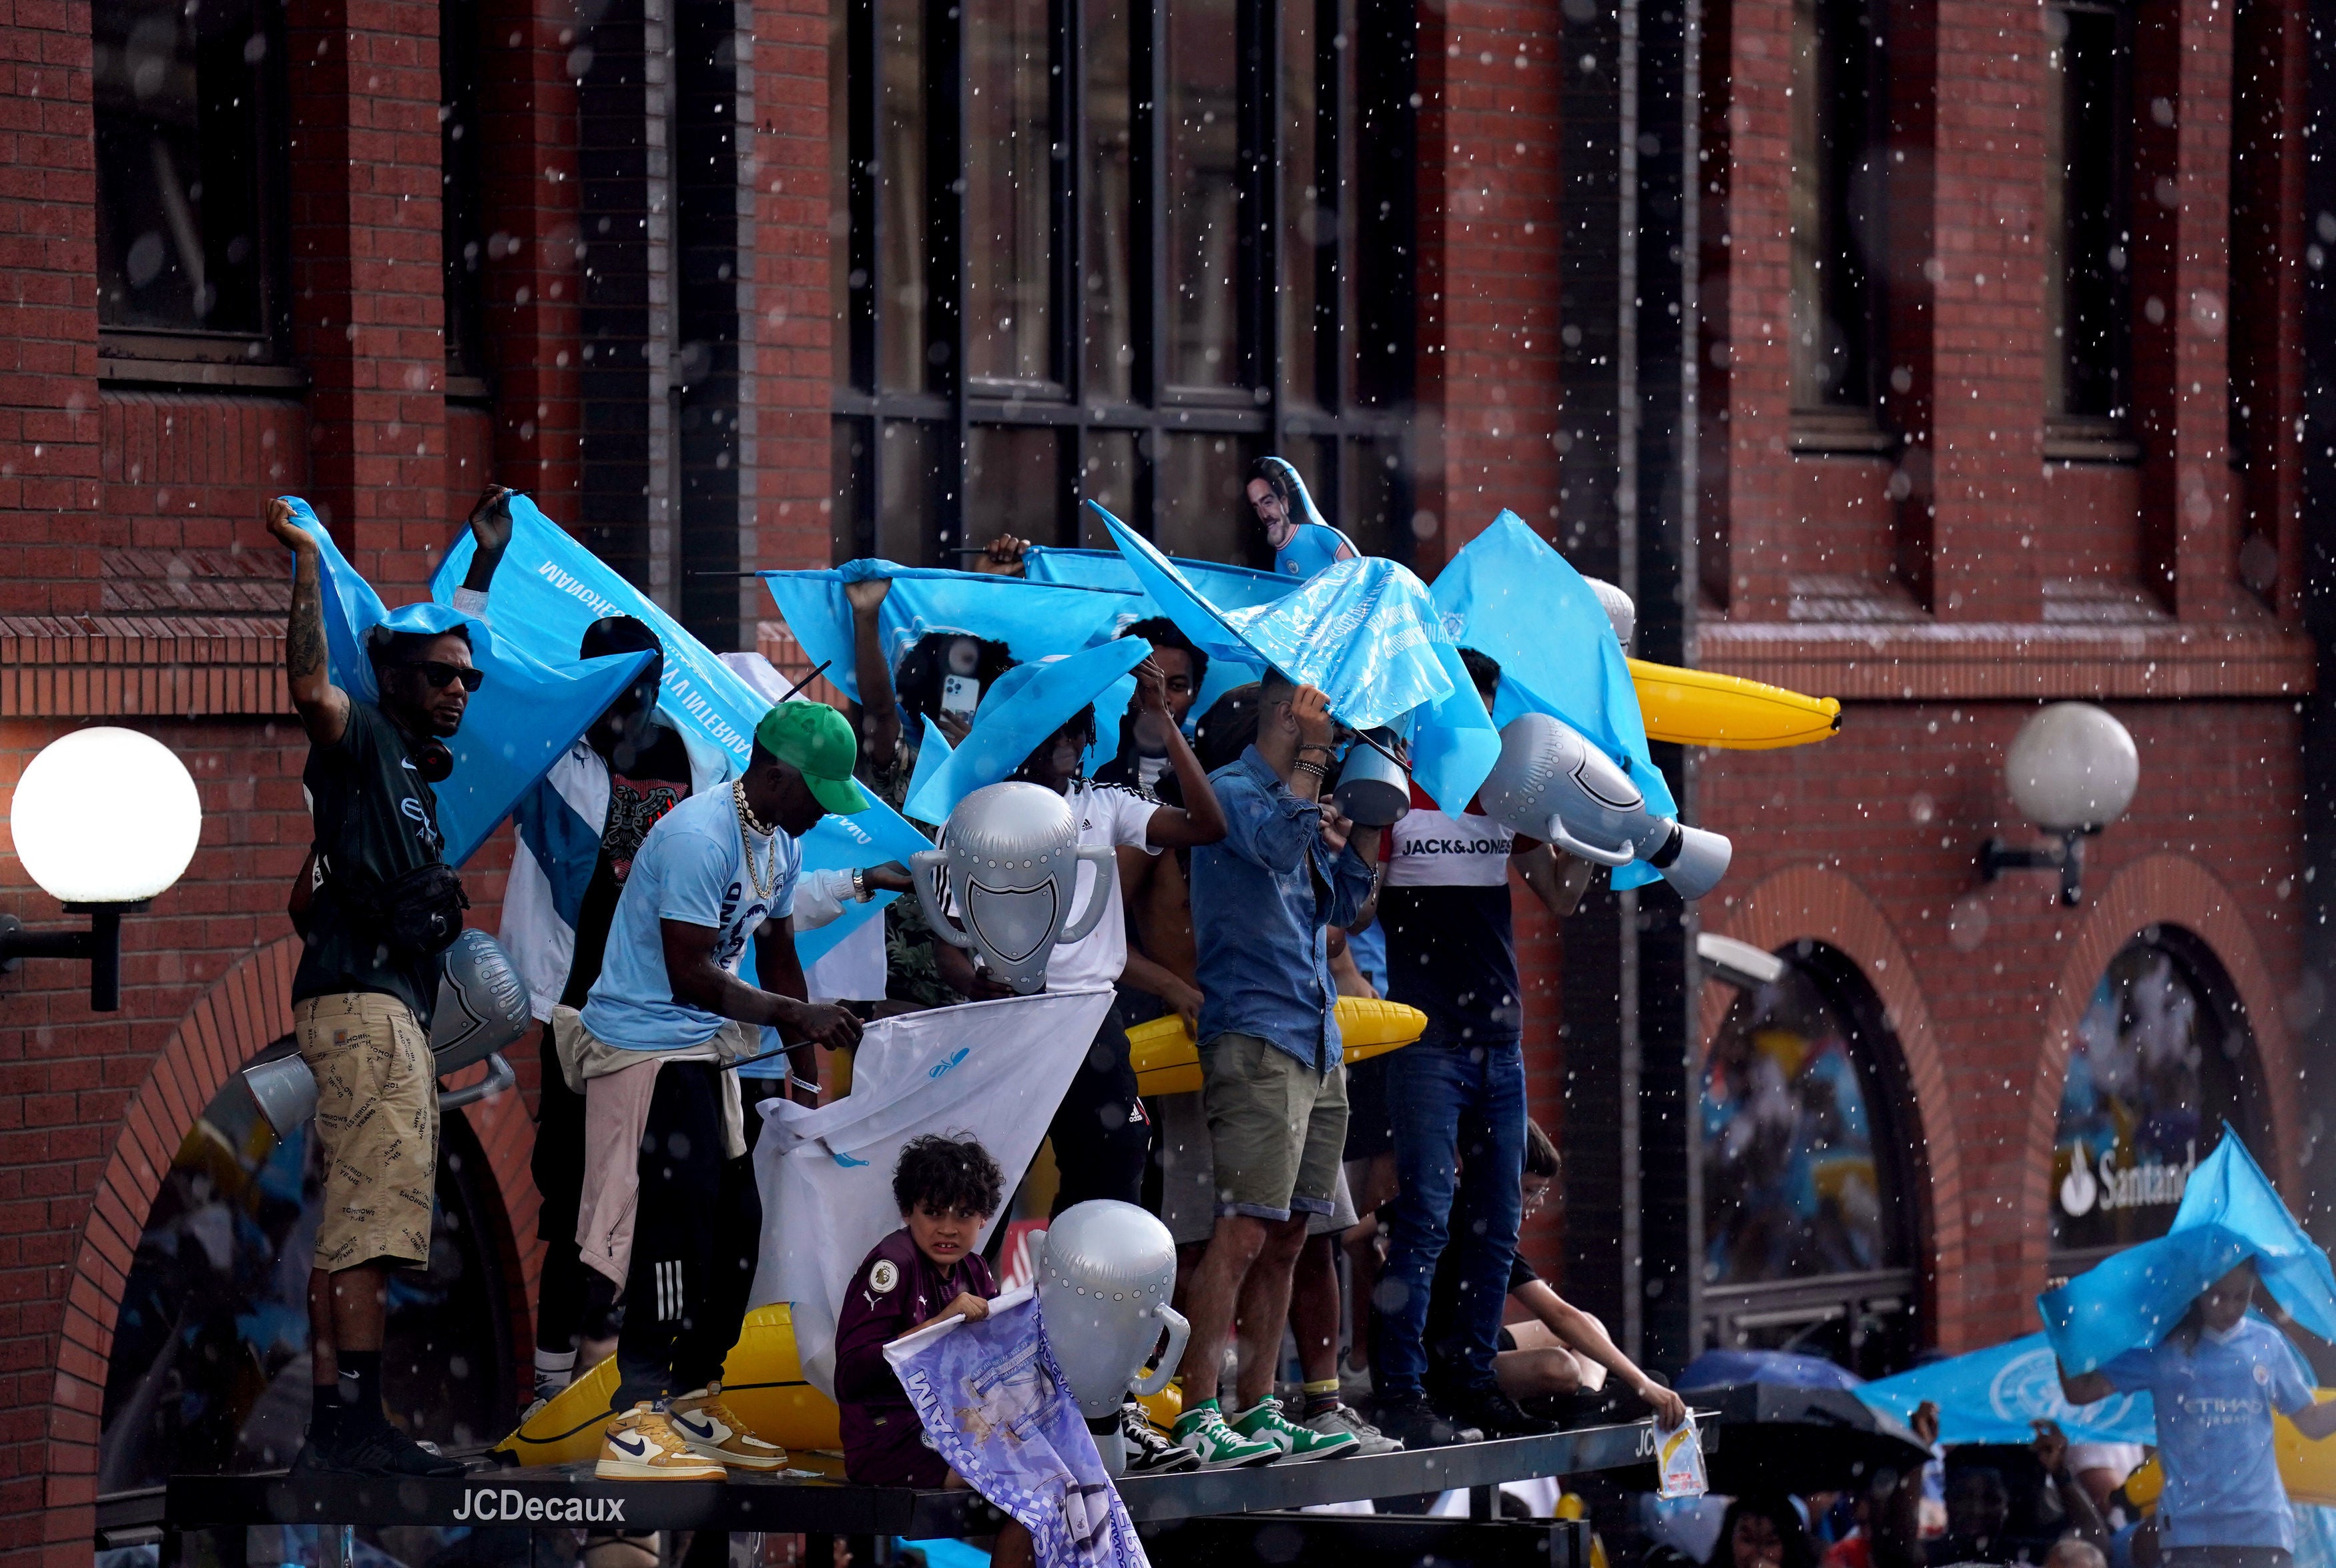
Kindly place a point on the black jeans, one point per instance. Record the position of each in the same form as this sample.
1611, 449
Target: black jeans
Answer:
695, 1230
572, 1303
1102, 1132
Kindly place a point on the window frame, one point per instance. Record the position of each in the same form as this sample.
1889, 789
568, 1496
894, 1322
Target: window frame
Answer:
193, 357
1846, 270
2089, 437
1258, 414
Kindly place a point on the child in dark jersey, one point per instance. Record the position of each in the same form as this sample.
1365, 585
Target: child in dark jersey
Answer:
947, 1188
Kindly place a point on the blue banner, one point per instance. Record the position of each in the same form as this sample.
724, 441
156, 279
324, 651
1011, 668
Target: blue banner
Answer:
2230, 1214
549, 588
1993, 1396
1226, 587
1366, 633
1022, 708
1511, 596
1033, 619
519, 721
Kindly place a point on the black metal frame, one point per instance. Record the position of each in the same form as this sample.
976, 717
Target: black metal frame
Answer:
1375, 113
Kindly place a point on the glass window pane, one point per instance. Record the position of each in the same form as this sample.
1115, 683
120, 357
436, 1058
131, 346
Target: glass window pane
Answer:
1368, 499
1791, 1186
461, 202
900, 196
2151, 1079
1203, 191
908, 484
1013, 480
180, 235
839, 194
1110, 483
1199, 509
1009, 173
2091, 275
850, 537
1109, 348
1308, 208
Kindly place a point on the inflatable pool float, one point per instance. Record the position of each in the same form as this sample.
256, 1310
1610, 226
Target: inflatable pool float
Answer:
1168, 1061
1704, 707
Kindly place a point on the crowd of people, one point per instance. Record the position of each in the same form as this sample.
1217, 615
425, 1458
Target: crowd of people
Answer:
651, 915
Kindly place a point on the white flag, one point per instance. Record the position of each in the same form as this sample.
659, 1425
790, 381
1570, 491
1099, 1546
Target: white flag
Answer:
995, 1070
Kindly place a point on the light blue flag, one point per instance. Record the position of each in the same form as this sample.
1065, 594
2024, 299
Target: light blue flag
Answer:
1034, 620
522, 717
1991, 1396
1227, 587
549, 588
1510, 595
994, 1404
1365, 632
2230, 1214
1022, 708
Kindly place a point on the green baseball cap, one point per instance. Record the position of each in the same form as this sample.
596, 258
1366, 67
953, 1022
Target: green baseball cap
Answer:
817, 742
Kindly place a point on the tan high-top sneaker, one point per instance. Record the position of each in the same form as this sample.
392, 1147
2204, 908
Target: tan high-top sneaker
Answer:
641, 1445
713, 1431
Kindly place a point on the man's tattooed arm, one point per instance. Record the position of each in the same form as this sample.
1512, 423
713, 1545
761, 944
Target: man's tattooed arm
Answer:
324, 707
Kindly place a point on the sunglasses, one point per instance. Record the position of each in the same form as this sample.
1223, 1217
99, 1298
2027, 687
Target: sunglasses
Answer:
440, 674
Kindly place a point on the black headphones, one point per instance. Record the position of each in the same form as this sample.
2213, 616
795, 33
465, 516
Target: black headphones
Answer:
433, 758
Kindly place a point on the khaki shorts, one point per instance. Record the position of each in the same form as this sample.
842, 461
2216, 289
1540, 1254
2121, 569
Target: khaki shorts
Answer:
1188, 1177
1275, 1129
376, 1127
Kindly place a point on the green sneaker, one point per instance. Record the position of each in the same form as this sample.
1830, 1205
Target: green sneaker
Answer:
1205, 1432
1265, 1422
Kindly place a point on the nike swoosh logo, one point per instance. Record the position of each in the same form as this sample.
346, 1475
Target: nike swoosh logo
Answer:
635, 1446
703, 1430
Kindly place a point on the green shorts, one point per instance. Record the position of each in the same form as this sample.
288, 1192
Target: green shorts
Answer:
1277, 1129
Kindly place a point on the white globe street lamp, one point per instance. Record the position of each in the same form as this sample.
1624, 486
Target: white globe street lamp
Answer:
103, 819
2071, 770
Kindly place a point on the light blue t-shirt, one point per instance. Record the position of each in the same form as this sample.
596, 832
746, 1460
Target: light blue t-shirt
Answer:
1314, 548
692, 868
2215, 1433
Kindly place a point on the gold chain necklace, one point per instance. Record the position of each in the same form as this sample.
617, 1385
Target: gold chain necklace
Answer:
765, 877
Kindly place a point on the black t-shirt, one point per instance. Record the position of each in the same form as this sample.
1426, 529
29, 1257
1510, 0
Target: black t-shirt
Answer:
655, 782
375, 819
1451, 953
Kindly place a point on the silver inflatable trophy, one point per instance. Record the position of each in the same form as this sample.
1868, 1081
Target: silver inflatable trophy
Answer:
1620, 613
1105, 1271
1552, 783
1009, 859
1373, 791
481, 1008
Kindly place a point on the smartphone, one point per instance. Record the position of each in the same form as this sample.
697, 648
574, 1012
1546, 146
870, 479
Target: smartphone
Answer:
960, 695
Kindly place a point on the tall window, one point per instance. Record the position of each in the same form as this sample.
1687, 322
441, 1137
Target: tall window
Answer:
1108, 248
2160, 1063
188, 174
462, 193
2086, 225
1837, 145
1808, 1225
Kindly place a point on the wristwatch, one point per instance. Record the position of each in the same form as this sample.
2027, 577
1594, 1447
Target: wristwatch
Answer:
859, 885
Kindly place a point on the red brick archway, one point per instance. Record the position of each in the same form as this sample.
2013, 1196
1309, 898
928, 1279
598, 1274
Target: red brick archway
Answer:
247, 1010
2170, 890
1823, 905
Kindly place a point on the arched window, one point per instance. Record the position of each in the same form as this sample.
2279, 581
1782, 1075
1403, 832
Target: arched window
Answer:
2160, 1061
1808, 1224
210, 1368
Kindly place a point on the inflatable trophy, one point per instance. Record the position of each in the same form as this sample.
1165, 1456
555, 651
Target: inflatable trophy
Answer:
1105, 1270
1009, 861
1552, 783
481, 1008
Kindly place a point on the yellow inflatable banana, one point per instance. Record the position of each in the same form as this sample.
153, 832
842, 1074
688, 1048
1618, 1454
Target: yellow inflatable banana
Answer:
762, 1380
1703, 708
1168, 1061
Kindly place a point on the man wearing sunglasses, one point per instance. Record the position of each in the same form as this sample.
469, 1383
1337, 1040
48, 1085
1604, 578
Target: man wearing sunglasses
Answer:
378, 907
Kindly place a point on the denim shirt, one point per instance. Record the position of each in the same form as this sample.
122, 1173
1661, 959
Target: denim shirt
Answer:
1261, 900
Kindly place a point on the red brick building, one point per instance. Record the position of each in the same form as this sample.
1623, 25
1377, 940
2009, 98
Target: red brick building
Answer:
1944, 357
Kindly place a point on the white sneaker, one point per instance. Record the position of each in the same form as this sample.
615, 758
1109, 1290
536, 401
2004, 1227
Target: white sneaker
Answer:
1368, 1439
